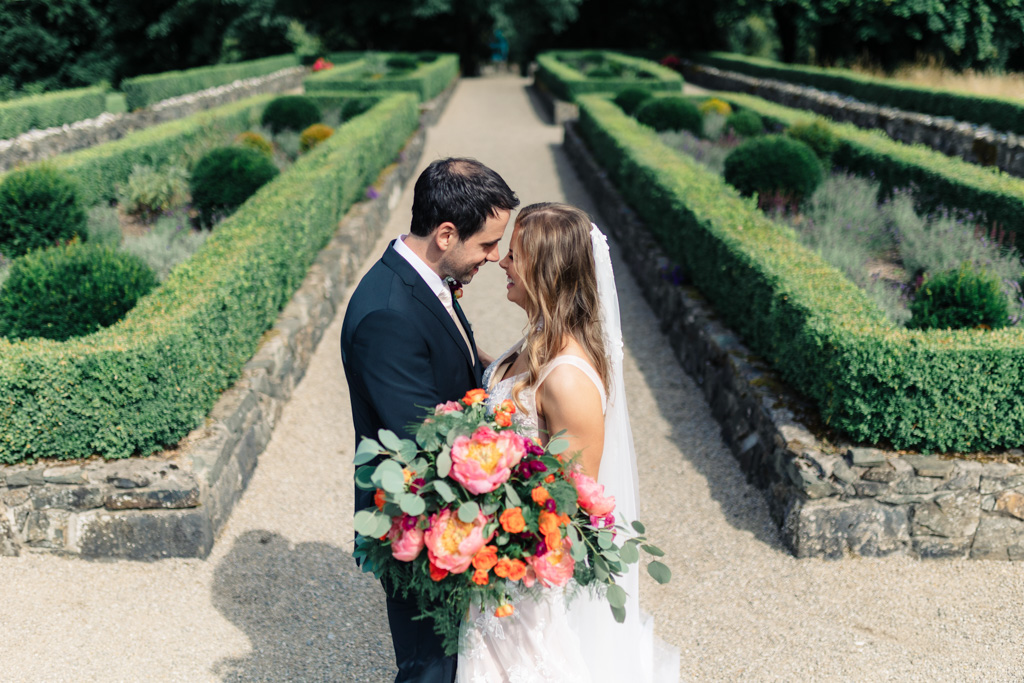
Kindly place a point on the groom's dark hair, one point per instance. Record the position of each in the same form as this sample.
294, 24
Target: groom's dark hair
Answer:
462, 191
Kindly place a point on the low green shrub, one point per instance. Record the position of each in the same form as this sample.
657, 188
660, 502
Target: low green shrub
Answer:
103, 226
964, 298
670, 113
1003, 114
39, 207
255, 141
874, 382
70, 291
225, 177
630, 99
152, 191
142, 91
561, 73
50, 109
745, 123
402, 63
291, 112
150, 379
313, 136
170, 241
773, 165
984, 195
817, 135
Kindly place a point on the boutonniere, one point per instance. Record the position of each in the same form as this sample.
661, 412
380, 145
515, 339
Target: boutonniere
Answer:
455, 286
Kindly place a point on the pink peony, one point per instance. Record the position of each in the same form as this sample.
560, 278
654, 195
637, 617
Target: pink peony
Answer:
449, 407
484, 461
406, 538
553, 568
451, 543
591, 494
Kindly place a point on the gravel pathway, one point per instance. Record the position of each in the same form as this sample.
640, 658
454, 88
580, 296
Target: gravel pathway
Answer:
280, 600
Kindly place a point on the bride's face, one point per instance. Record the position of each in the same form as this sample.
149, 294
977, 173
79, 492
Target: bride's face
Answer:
516, 292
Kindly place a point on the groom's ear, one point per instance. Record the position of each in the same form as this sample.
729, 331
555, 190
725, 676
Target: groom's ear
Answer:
446, 235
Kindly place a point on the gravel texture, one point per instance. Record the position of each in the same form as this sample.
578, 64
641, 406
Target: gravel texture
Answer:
280, 599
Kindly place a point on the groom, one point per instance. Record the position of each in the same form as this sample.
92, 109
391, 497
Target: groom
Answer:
406, 344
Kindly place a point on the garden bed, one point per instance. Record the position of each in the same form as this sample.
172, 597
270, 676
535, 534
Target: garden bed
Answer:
830, 499
568, 74
426, 75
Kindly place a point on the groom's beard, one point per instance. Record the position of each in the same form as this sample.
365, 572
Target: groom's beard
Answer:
460, 271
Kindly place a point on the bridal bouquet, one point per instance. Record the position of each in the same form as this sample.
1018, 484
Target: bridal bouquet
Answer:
472, 505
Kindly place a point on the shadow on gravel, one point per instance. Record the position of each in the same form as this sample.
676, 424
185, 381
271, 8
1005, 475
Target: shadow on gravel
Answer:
309, 613
743, 505
538, 106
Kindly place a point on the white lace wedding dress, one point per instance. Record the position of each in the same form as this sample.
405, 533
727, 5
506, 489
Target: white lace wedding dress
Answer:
543, 640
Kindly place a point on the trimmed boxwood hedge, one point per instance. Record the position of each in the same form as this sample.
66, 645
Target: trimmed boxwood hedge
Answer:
1003, 114
427, 81
50, 109
151, 378
994, 197
567, 83
143, 91
942, 390
98, 170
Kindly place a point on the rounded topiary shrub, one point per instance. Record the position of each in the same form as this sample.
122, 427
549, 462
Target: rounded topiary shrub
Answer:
313, 136
71, 290
291, 112
715, 105
963, 298
630, 99
670, 113
773, 166
39, 207
225, 177
255, 141
818, 135
745, 123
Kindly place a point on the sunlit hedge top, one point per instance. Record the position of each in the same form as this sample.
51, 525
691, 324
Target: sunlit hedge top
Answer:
50, 109
567, 83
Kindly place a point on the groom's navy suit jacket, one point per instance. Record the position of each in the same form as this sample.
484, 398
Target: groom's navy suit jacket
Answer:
402, 352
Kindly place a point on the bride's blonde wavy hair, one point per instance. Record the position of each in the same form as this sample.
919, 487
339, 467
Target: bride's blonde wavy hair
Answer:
555, 262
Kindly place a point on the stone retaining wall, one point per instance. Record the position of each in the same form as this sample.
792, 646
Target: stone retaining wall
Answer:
43, 144
173, 504
830, 500
976, 144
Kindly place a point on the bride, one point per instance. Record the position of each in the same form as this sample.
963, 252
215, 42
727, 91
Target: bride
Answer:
566, 374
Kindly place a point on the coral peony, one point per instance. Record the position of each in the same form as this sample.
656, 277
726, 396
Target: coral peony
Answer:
449, 407
451, 543
484, 461
591, 495
555, 567
406, 538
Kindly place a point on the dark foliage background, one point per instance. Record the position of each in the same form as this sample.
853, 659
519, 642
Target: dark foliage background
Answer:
52, 44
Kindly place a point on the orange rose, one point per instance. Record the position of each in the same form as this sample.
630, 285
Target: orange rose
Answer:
485, 558
504, 610
550, 478
540, 495
507, 406
378, 499
480, 577
503, 419
563, 519
474, 396
549, 522
436, 573
512, 520
502, 568
516, 570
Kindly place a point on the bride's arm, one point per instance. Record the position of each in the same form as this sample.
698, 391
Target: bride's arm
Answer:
568, 399
485, 359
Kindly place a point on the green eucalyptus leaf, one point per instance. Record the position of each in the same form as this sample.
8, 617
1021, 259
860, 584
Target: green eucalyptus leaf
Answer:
365, 523
383, 525
513, 497
364, 477
444, 490
503, 539
653, 550
616, 596
619, 613
604, 539
407, 451
412, 504
629, 554
392, 509
557, 446
392, 482
389, 440
659, 572
368, 450
444, 463
638, 527
468, 511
